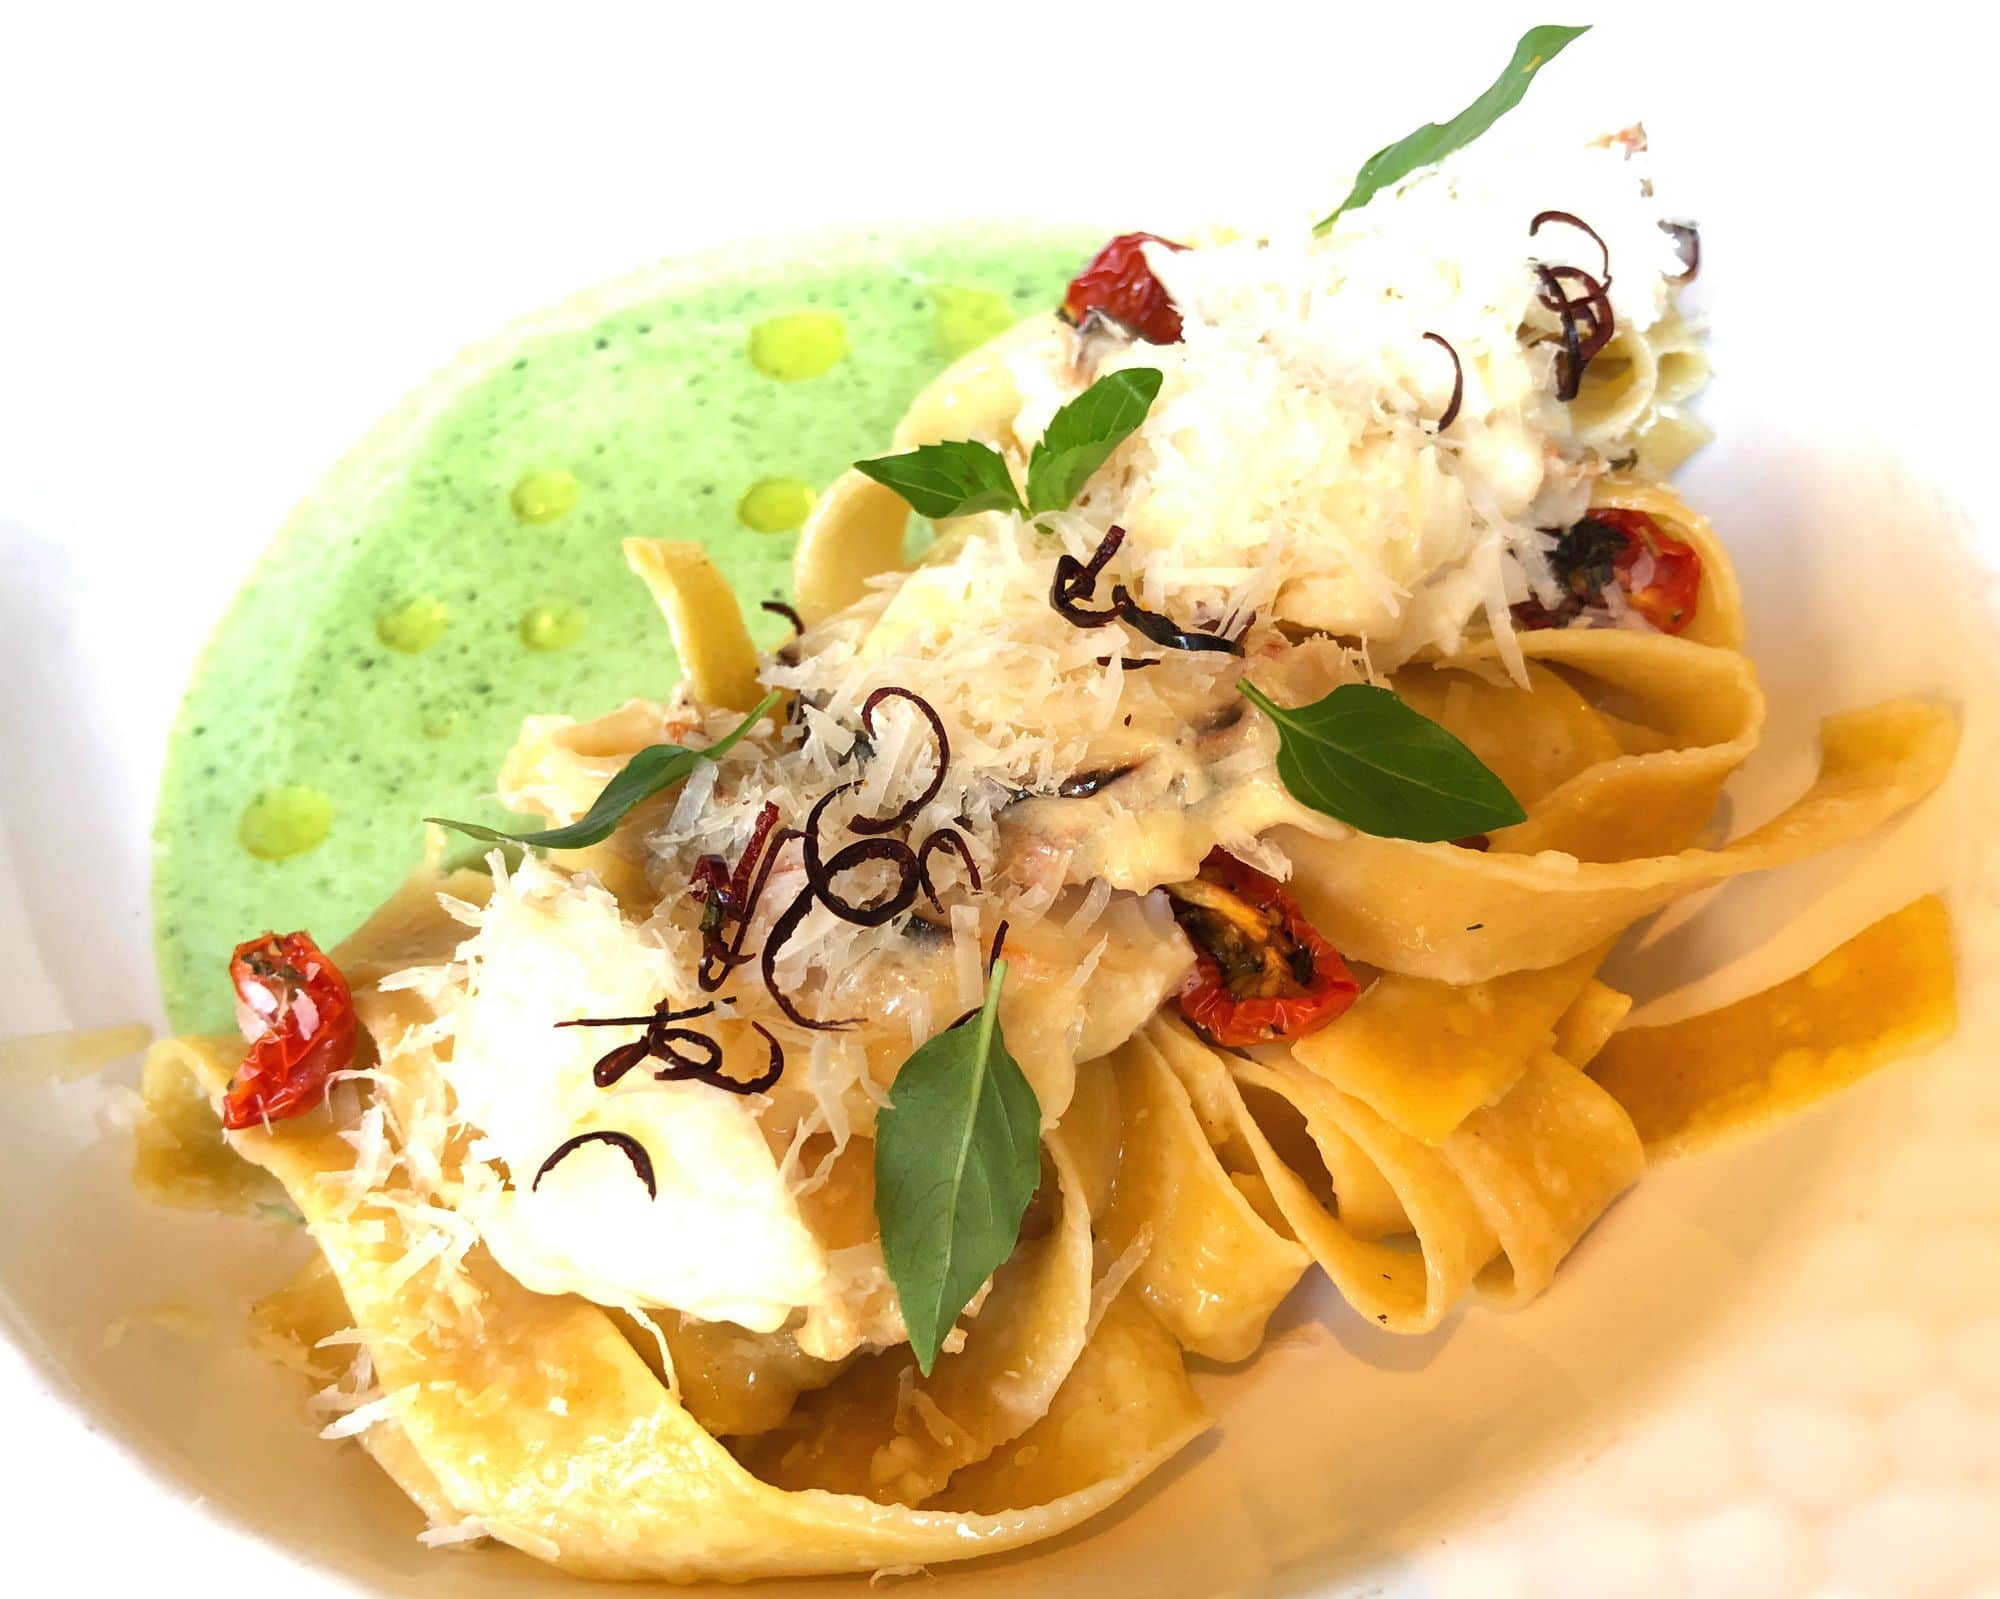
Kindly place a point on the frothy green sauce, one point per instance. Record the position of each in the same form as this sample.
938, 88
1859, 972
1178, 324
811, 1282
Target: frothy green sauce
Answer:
461, 568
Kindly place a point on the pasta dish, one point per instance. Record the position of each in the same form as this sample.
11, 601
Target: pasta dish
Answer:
1179, 863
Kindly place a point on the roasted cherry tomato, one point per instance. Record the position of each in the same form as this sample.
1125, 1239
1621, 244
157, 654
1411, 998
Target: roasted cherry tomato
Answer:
1118, 284
295, 1010
1661, 575
1262, 971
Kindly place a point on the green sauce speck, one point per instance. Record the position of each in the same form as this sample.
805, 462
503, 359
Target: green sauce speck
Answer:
775, 504
412, 628
804, 344
543, 497
283, 822
962, 319
551, 627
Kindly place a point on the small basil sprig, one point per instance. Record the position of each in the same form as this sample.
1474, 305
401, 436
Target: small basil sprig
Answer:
961, 477
1365, 758
1081, 436
657, 767
1436, 140
951, 479
957, 1158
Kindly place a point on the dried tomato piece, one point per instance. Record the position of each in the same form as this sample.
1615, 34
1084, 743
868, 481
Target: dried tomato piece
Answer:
296, 1012
1262, 971
1118, 284
1660, 574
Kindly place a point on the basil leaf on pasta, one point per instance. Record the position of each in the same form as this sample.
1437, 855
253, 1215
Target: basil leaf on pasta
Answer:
653, 769
951, 479
1365, 758
1436, 140
957, 1158
1081, 436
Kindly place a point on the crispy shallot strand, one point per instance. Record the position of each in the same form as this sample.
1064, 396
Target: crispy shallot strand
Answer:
1574, 221
1131, 663
624, 1143
780, 608
781, 930
907, 811
999, 944
1457, 382
945, 838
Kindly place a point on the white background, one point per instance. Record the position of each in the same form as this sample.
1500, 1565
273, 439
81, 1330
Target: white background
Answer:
230, 240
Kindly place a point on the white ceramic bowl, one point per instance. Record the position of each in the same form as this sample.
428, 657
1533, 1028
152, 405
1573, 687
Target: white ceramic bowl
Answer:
1771, 1373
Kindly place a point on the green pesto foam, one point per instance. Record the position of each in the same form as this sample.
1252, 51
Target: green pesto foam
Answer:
461, 568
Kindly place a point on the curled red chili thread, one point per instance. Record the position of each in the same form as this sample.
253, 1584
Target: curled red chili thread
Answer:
780, 608
1587, 323
1076, 581
727, 897
907, 811
999, 944
945, 838
624, 1143
1571, 220
1457, 382
688, 1055
781, 932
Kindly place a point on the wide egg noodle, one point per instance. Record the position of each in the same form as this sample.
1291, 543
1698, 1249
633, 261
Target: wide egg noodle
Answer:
704, 617
1885, 993
1213, 1267
537, 1418
1459, 916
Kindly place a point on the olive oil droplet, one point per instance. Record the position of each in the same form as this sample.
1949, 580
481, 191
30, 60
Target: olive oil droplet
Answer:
775, 504
800, 345
551, 627
543, 497
962, 319
412, 628
282, 822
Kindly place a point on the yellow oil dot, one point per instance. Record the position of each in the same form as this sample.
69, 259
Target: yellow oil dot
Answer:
962, 319
546, 496
775, 504
282, 822
412, 628
800, 345
552, 627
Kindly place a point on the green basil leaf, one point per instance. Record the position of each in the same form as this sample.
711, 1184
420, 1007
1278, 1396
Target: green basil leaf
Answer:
1436, 140
953, 479
1081, 436
657, 767
1365, 758
957, 1158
